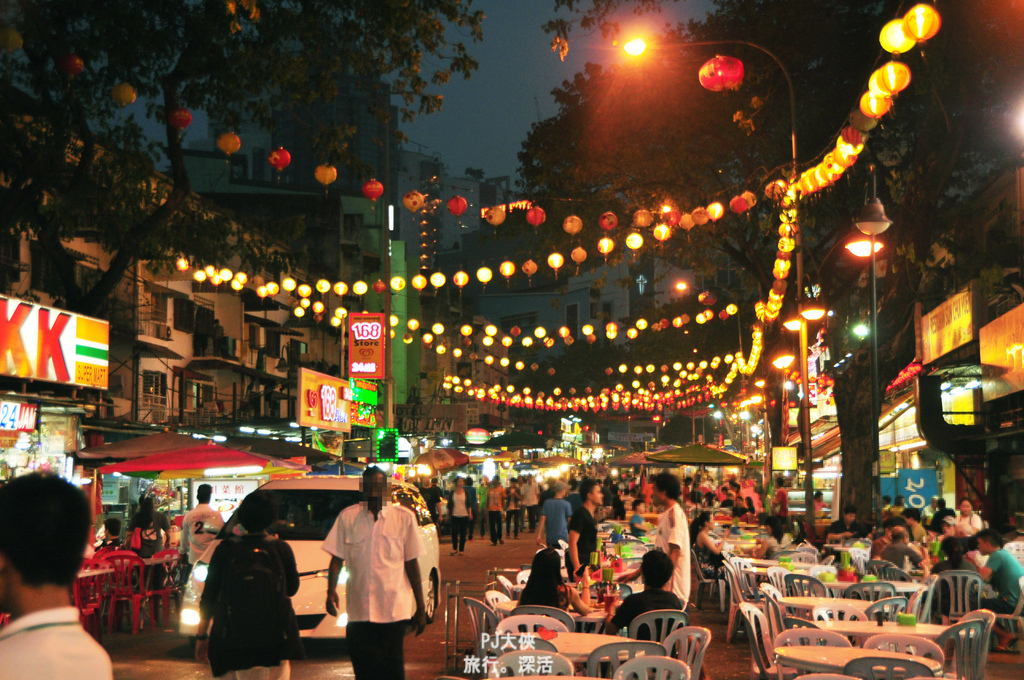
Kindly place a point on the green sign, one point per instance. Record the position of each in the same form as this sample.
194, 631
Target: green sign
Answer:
363, 391
387, 445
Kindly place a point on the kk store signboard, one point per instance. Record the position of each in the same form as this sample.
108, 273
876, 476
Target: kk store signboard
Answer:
43, 343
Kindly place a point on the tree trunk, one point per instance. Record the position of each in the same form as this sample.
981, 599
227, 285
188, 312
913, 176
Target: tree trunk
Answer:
852, 392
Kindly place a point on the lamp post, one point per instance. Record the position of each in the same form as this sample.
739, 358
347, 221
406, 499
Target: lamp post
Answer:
871, 222
636, 47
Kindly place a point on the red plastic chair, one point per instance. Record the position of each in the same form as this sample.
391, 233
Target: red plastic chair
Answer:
87, 593
128, 586
4, 620
161, 586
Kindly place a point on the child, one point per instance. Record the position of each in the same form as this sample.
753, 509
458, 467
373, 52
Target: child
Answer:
636, 522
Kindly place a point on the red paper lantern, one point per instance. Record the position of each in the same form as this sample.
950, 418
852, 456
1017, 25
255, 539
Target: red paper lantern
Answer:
229, 143
279, 158
70, 64
379, 286
723, 315
536, 216
179, 118
515, 331
372, 189
738, 204
457, 205
721, 73
608, 221
671, 217
852, 135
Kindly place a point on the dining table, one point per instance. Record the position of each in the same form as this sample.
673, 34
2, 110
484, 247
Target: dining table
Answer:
905, 588
815, 659
585, 623
578, 646
98, 571
865, 629
806, 604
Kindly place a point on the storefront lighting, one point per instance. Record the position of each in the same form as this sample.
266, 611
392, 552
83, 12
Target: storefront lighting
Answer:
247, 430
225, 471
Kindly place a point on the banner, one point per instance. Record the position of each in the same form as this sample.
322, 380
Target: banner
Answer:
630, 437
431, 418
366, 345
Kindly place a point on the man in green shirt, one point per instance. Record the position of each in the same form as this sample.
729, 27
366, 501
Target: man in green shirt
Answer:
1004, 572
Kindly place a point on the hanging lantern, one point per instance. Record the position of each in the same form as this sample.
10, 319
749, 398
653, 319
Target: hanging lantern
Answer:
437, 328
414, 201
641, 324
750, 198
721, 73
608, 221
372, 189
700, 217
326, 174
397, 284
605, 246
731, 309
427, 338
707, 298
379, 286
273, 288
419, 282
536, 216
322, 286
578, 255
305, 290
460, 279
123, 94
457, 205
279, 158
852, 136
662, 232
495, 215
921, 22
587, 329
861, 122
70, 65
892, 78
634, 241
437, 279
507, 269
360, 288
677, 322
738, 204
229, 143
529, 268
318, 307
407, 337
671, 216
484, 275
572, 225
540, 332
10, 39
179, 118
412, 324
466, 330
611, 329
643, 218
182, 264
515, 331
340, 288
723, 315
874, 106
894, 39
555, 261
686, 221
715, 211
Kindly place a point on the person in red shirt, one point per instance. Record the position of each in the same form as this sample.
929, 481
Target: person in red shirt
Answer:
781, 501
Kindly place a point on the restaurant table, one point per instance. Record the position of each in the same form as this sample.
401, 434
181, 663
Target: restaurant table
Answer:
814, 659
806, 604
585, 623
865, 629
578, 646
906, 588
99, 571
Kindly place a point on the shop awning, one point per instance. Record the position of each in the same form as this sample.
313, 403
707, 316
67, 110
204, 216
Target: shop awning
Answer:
442, 459
553, 461
261, 321
157, 350
631, 459
191, 375
200, 458
699, 454
160, 289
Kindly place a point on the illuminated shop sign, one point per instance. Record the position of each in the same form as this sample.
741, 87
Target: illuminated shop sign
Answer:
366, 346
324, 401
17, 417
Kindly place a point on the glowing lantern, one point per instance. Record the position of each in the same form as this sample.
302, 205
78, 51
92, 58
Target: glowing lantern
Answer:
852, 136
507, 269
643, 218
437, 328
670, 215
279, 158
318, 307
572, 225
182, 264
466, 330
495, 216
340, 288
322, 286
921, 22
299, 312
578, 255
605, 246
721, 73
273, 288
634, 241
641, 324
437, 279
540, 332
70, 65
199, 275
874, 106
515, 331
305, 290
715, 211
738, 204
304, 302
776, 190
507, 342
414, 201
723, 315
360, 288
484, 275
529, 268
707, 298
397, 283
427, 338
731, 309
460, 279
588, 329
528, 342
419, 282
677, 322
700, 217
611, 329
179, 118
325, 174
412, 324
10, 39
457, 205
536, 216
229, 143
608, 221
123, 94
372, 189
555, 261
379, 286
686, 221
662, 232
894, 39
892, 78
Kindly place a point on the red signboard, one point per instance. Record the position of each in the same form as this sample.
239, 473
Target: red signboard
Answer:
366, 345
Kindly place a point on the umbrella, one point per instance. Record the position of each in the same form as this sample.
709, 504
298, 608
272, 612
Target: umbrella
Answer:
442, 459
516, 439
138, 447
195, 461
699, 454
637, 458
553, 461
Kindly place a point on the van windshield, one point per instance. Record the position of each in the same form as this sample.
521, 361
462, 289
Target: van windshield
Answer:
308, 514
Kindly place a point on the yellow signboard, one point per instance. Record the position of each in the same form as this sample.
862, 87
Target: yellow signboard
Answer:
784, 458
948, 326
324, 401
1001, 345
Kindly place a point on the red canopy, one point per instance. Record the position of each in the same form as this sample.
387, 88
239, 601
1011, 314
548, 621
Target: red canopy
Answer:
195, 460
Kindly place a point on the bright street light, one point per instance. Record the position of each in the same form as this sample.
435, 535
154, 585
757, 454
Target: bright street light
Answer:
635, 47
784, 361
681, 286
862, 247
861, 330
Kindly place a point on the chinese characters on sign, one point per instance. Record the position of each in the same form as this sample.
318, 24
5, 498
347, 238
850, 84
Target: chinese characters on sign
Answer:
1001, 345
948, 326
366, 345
784, 458
324, 401
499, 643
227, 494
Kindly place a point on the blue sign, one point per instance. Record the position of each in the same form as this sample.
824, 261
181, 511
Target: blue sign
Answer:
917, 487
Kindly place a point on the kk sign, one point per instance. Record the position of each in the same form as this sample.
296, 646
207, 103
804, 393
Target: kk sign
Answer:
366, 346
42, 343
917, 487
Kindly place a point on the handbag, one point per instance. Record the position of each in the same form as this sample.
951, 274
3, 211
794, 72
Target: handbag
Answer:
136, 540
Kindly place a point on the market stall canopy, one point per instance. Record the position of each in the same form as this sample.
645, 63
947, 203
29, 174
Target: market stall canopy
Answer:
198, 460
699, 454
516, 439
442, 459
637, 458
553, 461
138, 447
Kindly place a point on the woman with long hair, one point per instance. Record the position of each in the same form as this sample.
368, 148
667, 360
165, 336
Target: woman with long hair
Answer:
545, 586
768, 548
707, 551
954, 549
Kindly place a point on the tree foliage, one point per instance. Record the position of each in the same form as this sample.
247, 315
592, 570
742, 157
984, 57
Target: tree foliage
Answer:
76, 166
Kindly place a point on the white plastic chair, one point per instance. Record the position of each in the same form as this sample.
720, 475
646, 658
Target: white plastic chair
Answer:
804, 557
820, 569
507, 587
709, 585
689, 644
762, 649
777, 575
837, 612
606, 659
540, 610
658, 623
533, 662
806, 637
529, 623
1015, 622
653, 668
902, 643
522, 577
741, 563
859, 558
493, 597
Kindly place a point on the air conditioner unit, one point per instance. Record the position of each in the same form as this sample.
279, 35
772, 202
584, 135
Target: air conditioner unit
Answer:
160, 331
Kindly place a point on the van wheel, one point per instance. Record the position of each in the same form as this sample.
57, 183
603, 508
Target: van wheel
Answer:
430, 597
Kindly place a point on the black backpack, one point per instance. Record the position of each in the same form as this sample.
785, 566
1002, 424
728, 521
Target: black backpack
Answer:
253, 601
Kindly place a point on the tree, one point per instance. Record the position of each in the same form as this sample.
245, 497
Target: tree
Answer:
640, 136
76, 166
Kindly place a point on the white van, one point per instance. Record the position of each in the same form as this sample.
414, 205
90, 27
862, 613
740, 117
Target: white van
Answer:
307, 507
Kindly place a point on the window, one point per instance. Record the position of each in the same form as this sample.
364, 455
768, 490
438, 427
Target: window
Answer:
39, 266
606, 311
205, 320
154, 386
272, 344
184, 315
572, 318
296, 348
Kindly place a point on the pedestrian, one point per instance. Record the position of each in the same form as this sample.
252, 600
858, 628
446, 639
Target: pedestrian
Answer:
460, 512
147, 534
380, 544
475, 509
514, 513
780, 504
432, 496
530, 493
618, 506
198, 528
495, 509
484, 490
574, 497
247, 595
554, 518
673, 536
44, 639
583, 530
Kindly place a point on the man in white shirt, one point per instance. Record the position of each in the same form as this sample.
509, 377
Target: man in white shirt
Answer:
200, 526
379, 542
44, 640
673, 533
531, 501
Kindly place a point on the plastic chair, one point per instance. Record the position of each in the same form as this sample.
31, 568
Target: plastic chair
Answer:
1014, 622
793, 622
890, 607
658, 623
523, 576
506, 586
741, 563
859, 558
886, 668
905, 644
827, 560
871, 592
532, 662
807, 637
762, 649
735, 600
482, 619
970, 648
837, 612
625, 590
606, 659
531, 623
875, 565
799, 585
990, 621
920, 603
894, 574
163, 591
709, 585
773, 611
87, 595
541, 610
769, 590
493, 597
127, 586
821, 568
653, 668
804, 557
777, 577
689, 644
957, 592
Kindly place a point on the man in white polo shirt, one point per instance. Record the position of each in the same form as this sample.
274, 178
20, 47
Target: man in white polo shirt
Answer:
44, 640
673, 533
379, 542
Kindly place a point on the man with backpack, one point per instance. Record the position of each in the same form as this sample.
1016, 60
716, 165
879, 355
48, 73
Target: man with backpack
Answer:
247, 591
379, 543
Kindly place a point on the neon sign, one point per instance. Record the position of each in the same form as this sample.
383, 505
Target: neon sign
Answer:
366, 346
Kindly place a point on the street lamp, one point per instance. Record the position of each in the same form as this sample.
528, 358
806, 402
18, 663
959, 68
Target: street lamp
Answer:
871, 222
